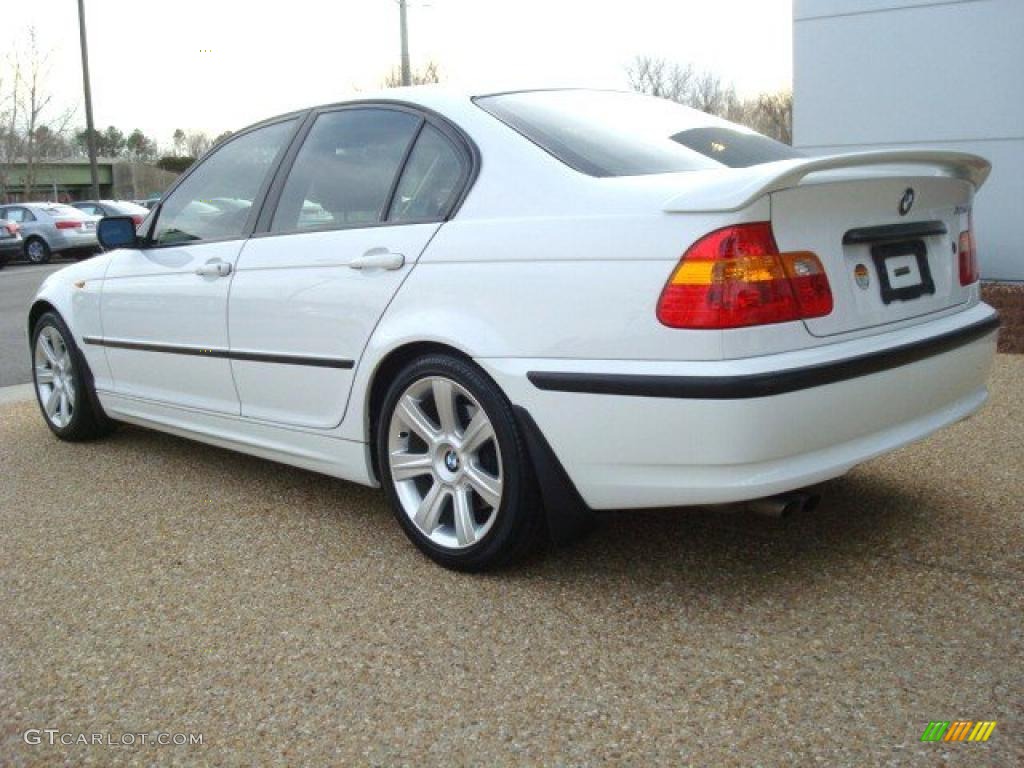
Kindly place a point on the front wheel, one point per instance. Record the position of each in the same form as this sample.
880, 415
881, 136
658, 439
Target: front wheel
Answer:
454, 466
58, 372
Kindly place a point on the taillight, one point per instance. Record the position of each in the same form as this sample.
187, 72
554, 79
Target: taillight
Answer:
66, 224
968, 255
735, 277
137, 218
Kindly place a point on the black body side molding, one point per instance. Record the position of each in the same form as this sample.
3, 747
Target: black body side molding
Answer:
568, 516
227, 354
745, 386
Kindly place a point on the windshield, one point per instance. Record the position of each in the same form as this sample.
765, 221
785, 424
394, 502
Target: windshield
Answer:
608, 133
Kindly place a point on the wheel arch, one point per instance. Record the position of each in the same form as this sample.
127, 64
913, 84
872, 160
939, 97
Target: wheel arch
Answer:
384, 372
567, 516
39, 308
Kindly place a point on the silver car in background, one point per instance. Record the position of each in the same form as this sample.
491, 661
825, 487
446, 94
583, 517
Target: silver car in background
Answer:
103, 208
49, 228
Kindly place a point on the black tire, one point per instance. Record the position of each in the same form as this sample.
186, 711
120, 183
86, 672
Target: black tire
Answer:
37, 251
87, 421
518, 520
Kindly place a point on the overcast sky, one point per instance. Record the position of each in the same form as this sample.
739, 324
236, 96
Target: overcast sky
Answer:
218, 65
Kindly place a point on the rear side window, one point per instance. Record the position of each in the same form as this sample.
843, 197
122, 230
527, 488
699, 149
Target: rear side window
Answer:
344, 173
431, 180
19, 215
736, 149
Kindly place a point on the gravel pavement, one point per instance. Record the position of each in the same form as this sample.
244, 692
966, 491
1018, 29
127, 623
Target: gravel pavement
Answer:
153, 584
18, 284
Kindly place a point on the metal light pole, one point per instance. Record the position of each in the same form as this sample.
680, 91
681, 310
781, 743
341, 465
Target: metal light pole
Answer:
406, 72
89, 128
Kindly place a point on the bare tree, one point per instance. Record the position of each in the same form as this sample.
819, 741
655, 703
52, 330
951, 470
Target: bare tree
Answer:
179, 142
774, 115
11, 144
711, 95
37, 99
770, 114
30, 128
197, 143
431, 73
656, 77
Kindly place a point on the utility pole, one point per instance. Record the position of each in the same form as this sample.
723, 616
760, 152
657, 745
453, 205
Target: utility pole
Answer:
406, 73
89, 127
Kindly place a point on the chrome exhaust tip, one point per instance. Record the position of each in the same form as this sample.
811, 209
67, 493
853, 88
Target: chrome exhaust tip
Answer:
785, 504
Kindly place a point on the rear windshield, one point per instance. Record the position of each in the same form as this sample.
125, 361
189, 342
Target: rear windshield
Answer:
607, 133
735, 148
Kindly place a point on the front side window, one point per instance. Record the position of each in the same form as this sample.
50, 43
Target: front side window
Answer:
215, 200
344, 173
607, 133
431, 181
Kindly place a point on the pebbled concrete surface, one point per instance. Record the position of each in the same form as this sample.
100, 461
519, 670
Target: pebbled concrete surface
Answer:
149, 583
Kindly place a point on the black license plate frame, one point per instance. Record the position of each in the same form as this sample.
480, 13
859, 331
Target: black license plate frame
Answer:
885, 251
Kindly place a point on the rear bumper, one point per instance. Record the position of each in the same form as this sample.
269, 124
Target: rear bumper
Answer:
73, 240
645, 434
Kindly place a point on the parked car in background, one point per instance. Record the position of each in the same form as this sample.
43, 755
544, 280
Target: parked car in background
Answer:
103, 208
11, 243
49, 228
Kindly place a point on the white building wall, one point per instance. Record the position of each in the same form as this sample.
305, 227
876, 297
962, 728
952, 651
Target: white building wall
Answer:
874, 74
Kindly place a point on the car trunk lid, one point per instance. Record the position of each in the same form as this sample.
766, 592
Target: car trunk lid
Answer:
888, 245
884, 224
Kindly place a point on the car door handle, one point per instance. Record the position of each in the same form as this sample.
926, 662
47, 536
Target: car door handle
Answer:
214, 268
378, 260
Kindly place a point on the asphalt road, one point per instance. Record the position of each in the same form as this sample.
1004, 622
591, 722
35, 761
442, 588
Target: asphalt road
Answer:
18, 284
148, 583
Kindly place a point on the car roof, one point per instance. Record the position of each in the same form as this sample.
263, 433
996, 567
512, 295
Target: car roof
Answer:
434, 97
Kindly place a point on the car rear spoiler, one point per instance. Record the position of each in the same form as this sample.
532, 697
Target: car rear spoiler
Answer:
736, 188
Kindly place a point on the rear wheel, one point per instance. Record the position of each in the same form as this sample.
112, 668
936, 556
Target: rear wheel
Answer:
454, 466
58, 371
37, 251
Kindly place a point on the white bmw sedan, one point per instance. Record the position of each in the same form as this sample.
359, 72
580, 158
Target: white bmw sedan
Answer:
513, 309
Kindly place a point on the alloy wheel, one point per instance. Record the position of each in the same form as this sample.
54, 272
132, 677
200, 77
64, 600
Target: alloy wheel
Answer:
36, 251
445, 462
55, 377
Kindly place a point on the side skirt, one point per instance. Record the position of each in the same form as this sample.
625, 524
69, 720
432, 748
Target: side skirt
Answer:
334, 456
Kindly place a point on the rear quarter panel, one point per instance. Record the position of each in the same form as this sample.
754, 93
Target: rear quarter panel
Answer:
577, 286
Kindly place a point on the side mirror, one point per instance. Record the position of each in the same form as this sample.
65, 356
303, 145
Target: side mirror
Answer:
116, 232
